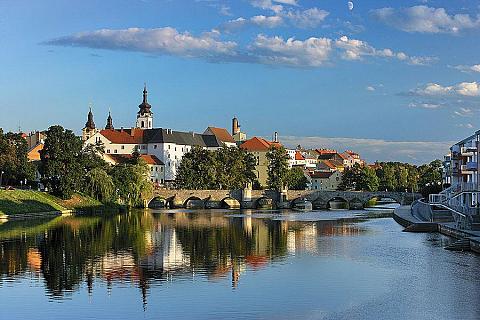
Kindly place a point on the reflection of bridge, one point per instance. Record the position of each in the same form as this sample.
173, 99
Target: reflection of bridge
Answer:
269, 198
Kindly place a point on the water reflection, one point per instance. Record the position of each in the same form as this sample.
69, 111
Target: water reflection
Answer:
147, 248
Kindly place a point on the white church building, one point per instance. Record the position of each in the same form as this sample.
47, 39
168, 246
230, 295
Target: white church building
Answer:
167, 145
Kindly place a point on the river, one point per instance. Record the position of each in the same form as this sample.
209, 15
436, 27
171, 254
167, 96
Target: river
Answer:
180, 264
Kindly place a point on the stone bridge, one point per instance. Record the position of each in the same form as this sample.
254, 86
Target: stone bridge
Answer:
271, 199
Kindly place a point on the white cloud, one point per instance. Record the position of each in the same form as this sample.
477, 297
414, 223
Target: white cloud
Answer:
309, 18
465, 68
424, 105
426, 19
267, 5
312, 52
225, 10
260, 21
464, 112
354, 49
466, 89
376, 149
163, 41
370, 88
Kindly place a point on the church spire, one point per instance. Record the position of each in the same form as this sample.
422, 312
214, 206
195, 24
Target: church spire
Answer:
90, 124
145, 92
109, 125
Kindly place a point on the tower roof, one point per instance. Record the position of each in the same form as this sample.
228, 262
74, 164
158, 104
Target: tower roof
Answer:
109, 125
144, 106
90, 124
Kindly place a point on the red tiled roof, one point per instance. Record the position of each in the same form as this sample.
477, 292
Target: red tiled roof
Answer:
258, 144
329, 164
124, 136
298, 156
221, 134
325, 151
344, 156
122, 158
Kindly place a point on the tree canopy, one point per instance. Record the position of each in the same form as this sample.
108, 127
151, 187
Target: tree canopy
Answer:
225, 168
13, 158
277, 167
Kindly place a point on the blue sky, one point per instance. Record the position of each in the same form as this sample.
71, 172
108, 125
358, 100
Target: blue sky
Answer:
393, 80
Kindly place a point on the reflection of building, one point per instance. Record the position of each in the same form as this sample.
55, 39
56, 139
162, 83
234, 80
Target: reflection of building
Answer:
165, 251
304, 239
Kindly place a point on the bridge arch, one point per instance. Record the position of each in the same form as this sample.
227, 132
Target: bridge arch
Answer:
264, 203
194, 202
157, 203
230, 203
339, 203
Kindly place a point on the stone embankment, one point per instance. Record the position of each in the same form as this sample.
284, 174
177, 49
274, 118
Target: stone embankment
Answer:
413, 219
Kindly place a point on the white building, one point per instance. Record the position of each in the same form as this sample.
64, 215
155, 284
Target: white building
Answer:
155, 165
165, 144
326, 181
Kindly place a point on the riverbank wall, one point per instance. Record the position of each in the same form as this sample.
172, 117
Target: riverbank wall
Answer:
408, 217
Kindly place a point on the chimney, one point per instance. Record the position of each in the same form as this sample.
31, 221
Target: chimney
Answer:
275, 139
235, 126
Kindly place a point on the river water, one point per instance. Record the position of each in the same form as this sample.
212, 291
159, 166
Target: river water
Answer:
180, 264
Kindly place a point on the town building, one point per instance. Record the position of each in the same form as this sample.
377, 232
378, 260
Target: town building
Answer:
259, 148
325, 181
464, 168
167, 145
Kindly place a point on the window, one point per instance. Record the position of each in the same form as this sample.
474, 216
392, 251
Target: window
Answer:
151, 168
115, 151
168, 146
169, 164
108, 150
123, 147
143, 124
156, 168
154, 146
175, 148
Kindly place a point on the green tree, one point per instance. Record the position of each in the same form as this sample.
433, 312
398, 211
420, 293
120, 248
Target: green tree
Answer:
296, 179
368, 180
13, 158
234, 168
277, 167
132, 183
99, 185
61, 169
197, 170
351, 178
430, 178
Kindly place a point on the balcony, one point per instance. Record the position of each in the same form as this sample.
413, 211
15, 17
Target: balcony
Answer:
472, 166
465, 170
468, 151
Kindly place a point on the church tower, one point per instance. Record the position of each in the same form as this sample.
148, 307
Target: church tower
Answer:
109, 125
89, 130
144, 115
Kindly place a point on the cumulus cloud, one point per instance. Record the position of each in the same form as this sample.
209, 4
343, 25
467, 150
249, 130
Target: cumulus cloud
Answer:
418, 152
370, 88
162, 41
309, 18
465, 68
426, 19
275, 50
353, 49
267, 5
260, 21
312, 52
466, 89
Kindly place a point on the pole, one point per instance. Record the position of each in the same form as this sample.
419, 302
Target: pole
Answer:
1, 178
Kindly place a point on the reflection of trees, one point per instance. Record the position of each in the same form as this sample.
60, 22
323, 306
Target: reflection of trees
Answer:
214, 249
68, 253
144, 248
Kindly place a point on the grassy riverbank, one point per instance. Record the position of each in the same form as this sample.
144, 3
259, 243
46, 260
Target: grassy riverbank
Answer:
30, 201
